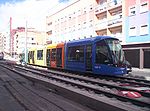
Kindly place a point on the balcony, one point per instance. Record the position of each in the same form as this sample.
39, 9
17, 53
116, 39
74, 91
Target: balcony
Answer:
50, 27
102, 32
49, 32
114, 3
101, 8
115, 22
117, 35
116, 16
116, 32
101, 24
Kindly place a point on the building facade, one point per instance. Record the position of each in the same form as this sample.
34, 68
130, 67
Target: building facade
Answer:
5, 42
1, 42
71, 22
13, 44
109, 18
31, 38
127, 20
137, 32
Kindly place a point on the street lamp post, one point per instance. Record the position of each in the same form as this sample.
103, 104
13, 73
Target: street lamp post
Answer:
26, 43
11, 36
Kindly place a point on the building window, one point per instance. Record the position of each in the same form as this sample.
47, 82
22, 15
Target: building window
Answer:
79, 12
91, 7
91, 25
84, 12
132, 31
132, 11
50, 23
144, 30
144, 7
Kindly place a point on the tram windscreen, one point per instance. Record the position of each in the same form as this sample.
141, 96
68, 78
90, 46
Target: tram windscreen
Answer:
102, 53
116, 50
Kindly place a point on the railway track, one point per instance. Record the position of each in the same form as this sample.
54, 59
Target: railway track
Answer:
134, 80
97, 88
25, 97
130, 83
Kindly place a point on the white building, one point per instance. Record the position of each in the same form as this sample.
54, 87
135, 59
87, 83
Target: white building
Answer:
5, 42
32, 38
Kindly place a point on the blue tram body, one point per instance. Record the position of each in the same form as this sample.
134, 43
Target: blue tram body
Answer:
77, 63
99, 55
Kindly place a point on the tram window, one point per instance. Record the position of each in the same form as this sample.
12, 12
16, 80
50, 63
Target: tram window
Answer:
101, 53
76, 53
53, 54
40, 55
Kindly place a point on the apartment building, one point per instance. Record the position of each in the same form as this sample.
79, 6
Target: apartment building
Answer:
1, 42
109, 18
31, 37
5, 42
81, 19
71, 22
127, 20
137, 32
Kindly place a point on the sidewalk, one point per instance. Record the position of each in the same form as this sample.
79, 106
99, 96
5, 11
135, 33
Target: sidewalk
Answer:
141, 72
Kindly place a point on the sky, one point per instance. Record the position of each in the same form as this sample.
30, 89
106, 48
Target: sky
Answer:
32, 11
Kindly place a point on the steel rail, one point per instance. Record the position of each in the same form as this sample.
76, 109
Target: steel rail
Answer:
87, 87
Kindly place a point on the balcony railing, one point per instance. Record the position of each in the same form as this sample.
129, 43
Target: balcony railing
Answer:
101, 25
114, 21
49, 32
117, 35
100, 8
113, 3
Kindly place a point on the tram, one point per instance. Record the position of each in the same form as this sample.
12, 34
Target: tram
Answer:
98, 55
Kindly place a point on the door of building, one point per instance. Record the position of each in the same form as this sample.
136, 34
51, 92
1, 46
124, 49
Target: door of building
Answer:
146, 58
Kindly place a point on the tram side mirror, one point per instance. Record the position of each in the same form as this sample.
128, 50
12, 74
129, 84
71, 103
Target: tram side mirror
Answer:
129, 66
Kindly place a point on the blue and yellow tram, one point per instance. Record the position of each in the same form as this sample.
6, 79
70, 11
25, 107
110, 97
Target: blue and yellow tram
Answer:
98, 55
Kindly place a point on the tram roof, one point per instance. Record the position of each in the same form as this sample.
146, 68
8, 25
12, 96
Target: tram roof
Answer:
88, 40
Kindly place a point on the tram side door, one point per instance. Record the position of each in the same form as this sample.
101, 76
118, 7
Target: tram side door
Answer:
32, 57
29, 57
48, 57
89, 58
59, 57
